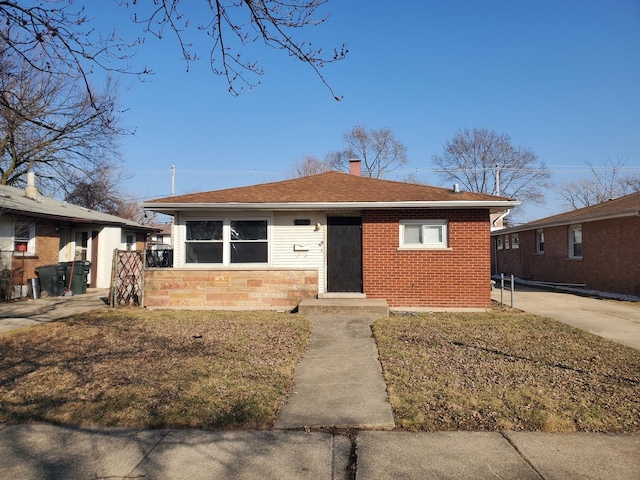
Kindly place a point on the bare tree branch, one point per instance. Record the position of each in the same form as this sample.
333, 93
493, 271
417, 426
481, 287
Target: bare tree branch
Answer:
605, 183
51, 126
378, 150
308, 166
472, 158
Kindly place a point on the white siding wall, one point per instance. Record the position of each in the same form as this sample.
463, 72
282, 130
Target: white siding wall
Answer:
291, 246
299, 245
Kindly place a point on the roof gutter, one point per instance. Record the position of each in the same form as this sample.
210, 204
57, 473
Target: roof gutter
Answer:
169, 206
571, 221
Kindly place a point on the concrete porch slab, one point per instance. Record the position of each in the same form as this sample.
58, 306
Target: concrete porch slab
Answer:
344, 306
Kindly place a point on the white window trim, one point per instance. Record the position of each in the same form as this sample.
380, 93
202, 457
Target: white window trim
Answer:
444, 245
226, 243
539, 233
31, 242
573, 228
515, 241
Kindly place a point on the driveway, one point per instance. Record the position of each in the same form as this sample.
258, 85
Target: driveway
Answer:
27, 312
614, 320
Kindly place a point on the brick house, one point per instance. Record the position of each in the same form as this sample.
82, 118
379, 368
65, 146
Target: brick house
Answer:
595, 247
37, 230
331, 234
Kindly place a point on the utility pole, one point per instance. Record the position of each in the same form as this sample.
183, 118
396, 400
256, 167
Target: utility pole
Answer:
497, 180
173, 179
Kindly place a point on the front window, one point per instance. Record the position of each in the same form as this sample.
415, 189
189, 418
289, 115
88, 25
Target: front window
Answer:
24, 238
249, 241
204, 241
228, 241
500, 242
575, 241
423, 234
539, 241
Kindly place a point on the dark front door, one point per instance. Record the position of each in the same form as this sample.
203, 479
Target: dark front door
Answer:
344, 254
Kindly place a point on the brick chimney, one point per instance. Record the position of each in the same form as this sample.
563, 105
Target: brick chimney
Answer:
354, 167
31, 191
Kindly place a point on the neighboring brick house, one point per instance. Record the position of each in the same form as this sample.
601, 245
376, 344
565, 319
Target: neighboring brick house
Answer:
595, 247
331, 234
37, 230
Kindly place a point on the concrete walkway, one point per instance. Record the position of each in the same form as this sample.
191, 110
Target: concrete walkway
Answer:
339, 381
616, 321
26, 312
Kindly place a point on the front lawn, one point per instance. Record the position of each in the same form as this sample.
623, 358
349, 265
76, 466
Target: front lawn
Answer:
506, 370
140, 368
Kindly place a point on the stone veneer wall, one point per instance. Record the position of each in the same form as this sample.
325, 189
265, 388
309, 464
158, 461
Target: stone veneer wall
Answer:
231, 289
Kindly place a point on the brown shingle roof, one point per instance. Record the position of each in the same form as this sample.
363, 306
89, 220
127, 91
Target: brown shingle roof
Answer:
627, 205
328, 187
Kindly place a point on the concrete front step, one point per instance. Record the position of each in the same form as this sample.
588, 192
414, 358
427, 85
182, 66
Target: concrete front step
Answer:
344, 306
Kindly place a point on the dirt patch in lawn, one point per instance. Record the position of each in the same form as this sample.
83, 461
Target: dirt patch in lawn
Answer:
506, 369
138, 368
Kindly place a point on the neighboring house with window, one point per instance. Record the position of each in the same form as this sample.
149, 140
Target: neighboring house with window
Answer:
595, 247
160, 239
331, 234
37, 230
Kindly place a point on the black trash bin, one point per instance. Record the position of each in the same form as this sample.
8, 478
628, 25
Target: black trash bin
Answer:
78, 272
52, 279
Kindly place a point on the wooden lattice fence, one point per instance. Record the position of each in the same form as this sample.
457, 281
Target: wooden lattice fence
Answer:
127, 279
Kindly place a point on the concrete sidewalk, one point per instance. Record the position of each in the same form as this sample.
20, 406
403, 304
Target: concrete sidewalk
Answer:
27, 312
338, 382
616, 321
34, 452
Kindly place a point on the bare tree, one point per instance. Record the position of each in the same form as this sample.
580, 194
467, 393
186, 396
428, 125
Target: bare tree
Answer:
483, 161
378, 150
605, 183
62, 31
52, 127
309, 165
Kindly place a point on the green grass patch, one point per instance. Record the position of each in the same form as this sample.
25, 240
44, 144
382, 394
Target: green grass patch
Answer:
140, 368
506, 369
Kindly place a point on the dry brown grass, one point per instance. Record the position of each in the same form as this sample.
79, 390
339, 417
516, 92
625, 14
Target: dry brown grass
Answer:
139, 368
506, 370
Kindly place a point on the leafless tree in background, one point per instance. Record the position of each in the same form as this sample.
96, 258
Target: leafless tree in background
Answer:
605, 183
51, 126
101, 190
309, 165
378, 150
472, 158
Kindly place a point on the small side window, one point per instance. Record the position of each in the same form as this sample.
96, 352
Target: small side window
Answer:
500, 242
515, 240
423, 234
24, 238
575, 241
540, 241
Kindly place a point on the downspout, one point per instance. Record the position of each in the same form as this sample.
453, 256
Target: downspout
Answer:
504, 214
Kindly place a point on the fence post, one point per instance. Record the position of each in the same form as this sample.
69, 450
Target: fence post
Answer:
142, 277
502, 289
512, 290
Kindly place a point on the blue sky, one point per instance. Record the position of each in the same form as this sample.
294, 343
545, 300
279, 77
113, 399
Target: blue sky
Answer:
561, 77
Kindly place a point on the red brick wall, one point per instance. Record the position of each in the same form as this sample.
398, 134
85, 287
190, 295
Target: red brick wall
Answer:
458, 277
240, 289
610, 256
47, 249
